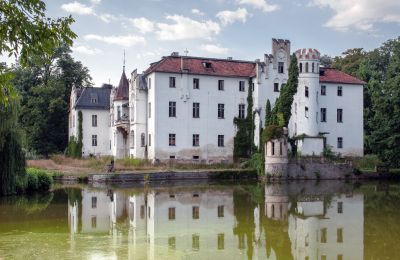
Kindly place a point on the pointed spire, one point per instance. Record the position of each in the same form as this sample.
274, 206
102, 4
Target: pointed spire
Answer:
124, 62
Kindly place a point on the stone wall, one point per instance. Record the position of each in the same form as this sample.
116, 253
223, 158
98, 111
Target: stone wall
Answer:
307, 168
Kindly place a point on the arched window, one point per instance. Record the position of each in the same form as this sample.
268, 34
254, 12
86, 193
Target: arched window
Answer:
306, 67
301, 67
132, 138
142, 140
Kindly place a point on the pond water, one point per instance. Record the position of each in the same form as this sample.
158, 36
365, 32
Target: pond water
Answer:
296, 220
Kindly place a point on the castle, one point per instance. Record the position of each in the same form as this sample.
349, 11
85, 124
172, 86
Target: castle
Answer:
182, 108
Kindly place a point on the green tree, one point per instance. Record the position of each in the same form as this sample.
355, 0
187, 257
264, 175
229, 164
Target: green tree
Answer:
268, 114
350, 61
244, 138
25, 31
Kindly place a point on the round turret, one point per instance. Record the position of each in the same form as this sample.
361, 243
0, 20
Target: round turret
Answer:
308, 91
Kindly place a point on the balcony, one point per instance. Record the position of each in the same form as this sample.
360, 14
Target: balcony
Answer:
122, 122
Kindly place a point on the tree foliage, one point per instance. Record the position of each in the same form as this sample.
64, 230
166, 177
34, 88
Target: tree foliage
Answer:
45, 90
26, 31
244, 138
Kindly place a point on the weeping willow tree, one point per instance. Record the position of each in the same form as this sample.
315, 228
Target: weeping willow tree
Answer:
12, 158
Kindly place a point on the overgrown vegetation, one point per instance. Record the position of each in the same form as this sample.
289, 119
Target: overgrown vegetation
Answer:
244, 140
35, 180
74, 148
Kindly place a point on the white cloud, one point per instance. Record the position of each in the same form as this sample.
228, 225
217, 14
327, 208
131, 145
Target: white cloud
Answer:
214, 48
197, 11
107, 17
259, 4
125, 40
143, 24
359, 14
86, 50
229, 17
185, 28
95, 2
77, 8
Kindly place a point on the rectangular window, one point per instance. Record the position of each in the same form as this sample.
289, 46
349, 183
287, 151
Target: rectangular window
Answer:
149, 212
172, 109
220, 85
220, 141
340, 142
94, 202
339, 234
196, 242
94, 120
323, 114
94, 140
149, 110
196, 83
149, 80
221, 241
196, 110
196, 140
195, 212
172, 82
306, 112
339, 91
340, 115
306, 91
323, 90
280, 67
149, 141
276, 87
241, 111
171, 213
340, 207
221, 111
221, 211
241, 86
324, 235
172, 139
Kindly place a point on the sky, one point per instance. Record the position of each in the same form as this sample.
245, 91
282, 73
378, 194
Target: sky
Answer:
149, 29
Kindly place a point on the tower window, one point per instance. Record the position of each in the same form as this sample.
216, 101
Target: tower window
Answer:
280, 67
312, 67
276, 87
306, 112
306, 91
306, 67
301, 67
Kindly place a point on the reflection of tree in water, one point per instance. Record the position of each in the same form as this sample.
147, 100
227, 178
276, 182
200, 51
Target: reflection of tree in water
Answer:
243, 209
381, 221
276, 237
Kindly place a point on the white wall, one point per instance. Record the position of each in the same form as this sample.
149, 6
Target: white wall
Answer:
311, 146
208, 126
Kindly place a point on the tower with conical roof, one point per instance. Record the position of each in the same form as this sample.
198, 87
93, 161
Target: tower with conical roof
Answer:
120, 117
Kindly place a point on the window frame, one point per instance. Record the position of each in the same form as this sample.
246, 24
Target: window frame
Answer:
323, 114
281, 67
196, 83
172, 82
221, 111
195, 140
221, 141
94, 140
340, 91
172, 109
171, 139
196, 110
94, 120
339, 115
323, 90
221, 84
242, 87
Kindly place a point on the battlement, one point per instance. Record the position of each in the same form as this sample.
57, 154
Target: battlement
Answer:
308, 54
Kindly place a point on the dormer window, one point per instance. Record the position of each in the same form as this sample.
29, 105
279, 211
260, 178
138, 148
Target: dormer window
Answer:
93, 98
207, 65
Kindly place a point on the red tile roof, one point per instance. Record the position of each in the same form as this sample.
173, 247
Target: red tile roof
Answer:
336, 76
195, 65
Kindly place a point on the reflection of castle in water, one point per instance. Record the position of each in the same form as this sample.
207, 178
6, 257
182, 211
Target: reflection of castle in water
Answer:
212, 223
320, 226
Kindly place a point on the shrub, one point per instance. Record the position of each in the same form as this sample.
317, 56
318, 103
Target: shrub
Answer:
271, 132
357, 172
369, 162
38, 180
257, 162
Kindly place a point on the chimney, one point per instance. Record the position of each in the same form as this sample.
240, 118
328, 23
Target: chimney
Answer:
175, 54
229, 58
